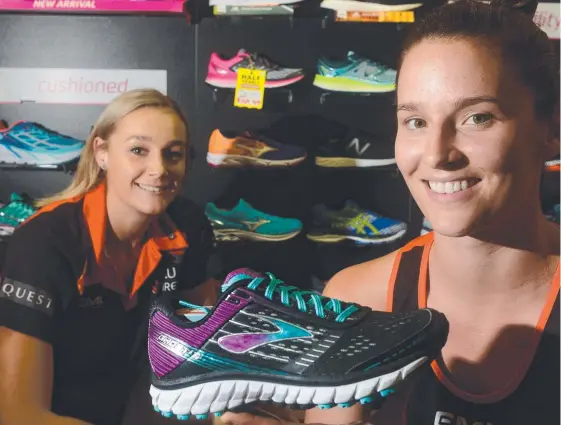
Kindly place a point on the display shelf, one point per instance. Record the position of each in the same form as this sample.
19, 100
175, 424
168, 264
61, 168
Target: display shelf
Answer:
350, 96
275, 99
69, 167
93, 6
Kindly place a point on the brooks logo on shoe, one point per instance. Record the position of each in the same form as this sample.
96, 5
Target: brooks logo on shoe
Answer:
244, 342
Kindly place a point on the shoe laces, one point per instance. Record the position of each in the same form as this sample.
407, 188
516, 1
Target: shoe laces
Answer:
262, 61
306, 301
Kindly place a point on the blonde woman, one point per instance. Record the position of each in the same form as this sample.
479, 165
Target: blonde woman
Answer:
78, 276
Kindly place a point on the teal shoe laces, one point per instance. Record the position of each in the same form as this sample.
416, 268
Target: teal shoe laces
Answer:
304, 299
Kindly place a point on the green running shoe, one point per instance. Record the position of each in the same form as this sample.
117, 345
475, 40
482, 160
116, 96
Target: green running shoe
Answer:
245, 222
14, 213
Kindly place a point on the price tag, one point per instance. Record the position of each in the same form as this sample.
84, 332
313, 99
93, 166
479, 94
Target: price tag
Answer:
392, 17
250, 88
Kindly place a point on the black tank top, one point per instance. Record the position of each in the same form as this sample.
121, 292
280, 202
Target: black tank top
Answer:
532, 397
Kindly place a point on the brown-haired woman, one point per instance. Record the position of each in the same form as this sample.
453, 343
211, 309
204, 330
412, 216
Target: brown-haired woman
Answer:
477, 109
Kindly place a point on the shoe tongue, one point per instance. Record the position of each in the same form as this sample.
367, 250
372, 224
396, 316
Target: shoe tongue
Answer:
245, 275
243, 204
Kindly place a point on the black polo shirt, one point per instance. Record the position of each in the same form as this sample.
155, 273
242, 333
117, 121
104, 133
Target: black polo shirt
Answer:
52, 289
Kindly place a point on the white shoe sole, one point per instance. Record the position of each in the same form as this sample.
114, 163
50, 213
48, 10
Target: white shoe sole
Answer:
220, 396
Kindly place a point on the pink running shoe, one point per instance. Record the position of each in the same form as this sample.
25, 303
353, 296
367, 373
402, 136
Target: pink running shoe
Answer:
223, 72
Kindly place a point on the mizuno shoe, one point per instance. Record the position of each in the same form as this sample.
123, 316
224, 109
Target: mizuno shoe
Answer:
27, 143
265, 341
245, 222
231, 149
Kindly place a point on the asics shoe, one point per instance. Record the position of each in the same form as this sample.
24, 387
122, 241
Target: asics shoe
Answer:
16, 211
370, 6
27, 143
252, 149
222, 72
354, 224
265, 341
245, 222
358, 149
356, 74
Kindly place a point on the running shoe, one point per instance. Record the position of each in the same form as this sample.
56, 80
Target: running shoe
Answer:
358, 149
355, 74
15, 213
355, 224
222, 72
28, 143
5, 229
553, 165
427, 227
245, 222
552, 214
249, 148
370, 6
265, 341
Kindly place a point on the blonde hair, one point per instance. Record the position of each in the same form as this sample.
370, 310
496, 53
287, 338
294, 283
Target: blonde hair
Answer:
88, 173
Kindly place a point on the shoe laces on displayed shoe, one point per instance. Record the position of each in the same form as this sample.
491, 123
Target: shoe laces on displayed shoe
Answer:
306, 301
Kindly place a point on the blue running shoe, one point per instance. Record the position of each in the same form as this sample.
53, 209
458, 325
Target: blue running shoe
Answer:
355, 224
265, 341
356, 74
245, 222
27, 143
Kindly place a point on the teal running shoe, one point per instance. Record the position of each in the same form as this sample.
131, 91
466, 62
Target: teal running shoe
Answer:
245, 222
355, 224
14, 213
355, 74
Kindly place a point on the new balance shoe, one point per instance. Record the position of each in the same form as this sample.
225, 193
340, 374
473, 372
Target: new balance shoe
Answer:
223, 72
355, 74
27, 143
357, 149
370, 5
265, 341
251, 149
354, 224
245, 222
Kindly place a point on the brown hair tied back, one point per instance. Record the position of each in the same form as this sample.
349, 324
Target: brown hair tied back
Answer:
505, 26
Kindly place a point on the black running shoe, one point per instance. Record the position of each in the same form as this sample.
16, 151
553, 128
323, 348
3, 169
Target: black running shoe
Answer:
265, 341
358, 149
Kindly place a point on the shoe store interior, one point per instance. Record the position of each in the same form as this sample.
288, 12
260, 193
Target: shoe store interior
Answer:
290, 109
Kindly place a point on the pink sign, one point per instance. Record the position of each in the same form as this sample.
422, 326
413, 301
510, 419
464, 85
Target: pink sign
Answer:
62, 6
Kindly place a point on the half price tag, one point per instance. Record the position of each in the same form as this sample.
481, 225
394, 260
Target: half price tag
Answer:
250, 88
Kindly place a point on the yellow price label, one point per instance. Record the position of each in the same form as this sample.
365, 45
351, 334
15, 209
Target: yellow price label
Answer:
250, 88
394, 17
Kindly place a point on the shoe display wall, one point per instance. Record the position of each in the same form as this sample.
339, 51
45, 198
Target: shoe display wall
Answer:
297, 190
